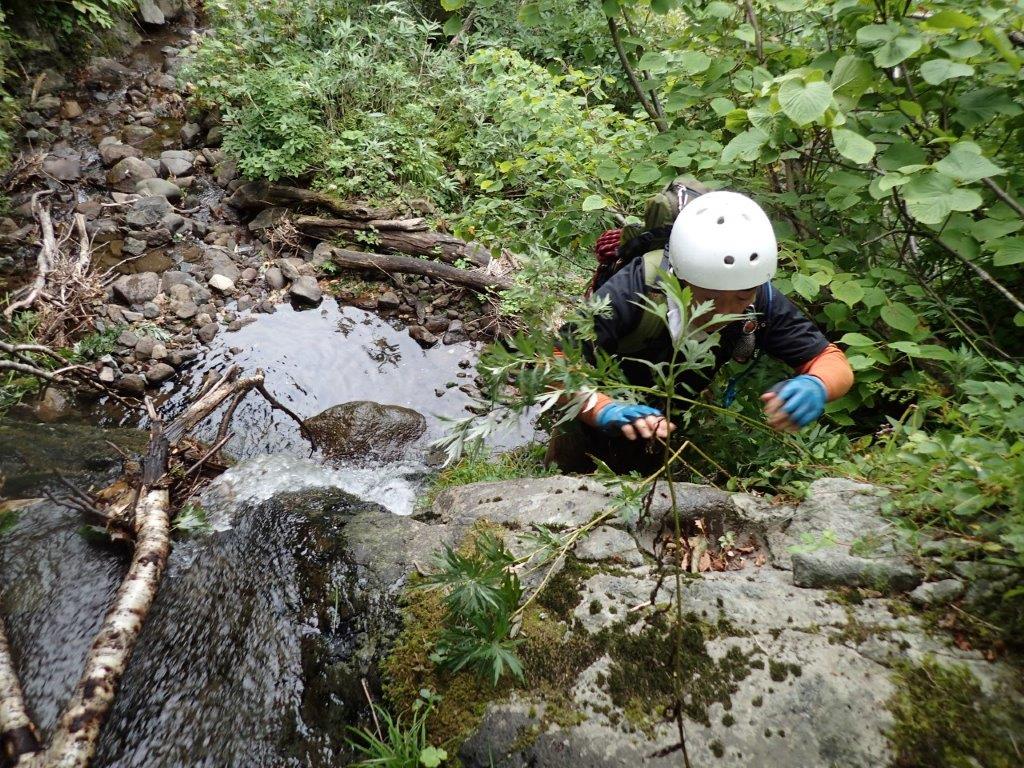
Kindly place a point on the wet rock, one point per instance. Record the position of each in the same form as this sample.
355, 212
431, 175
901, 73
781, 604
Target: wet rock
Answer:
51, 81
133, 384
133, 246
937, 592
159, 372
150, 12
137, 134
185, 310
226, 172
114, 152
138, 288
176, 162
47, 105
173, 222
67, 168
436, 324
189, 133
128, 339
215, 136
150, 311
144, 347
54, 405
306, 289
274, 278
249, 274
147, 212
268, 218
455, 333
222, 283
70, 109
289, 268
127, 173
157, 187
388, 300
366, 431
831, 567
172, 9
106, 375
103, 71
207, 333
422, 336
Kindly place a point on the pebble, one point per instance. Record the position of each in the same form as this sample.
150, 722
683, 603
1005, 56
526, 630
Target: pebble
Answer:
144, 347
388, 300
305, 288
128, 339
150, 311
157, 187
70, 109
422, 336
274, 278
185, 310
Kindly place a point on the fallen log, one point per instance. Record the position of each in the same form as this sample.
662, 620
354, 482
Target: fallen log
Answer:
44, 261
478, 280
256, 195
439, 245
17, 733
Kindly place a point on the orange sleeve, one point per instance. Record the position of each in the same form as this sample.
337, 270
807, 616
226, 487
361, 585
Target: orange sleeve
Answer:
832, 367
589, 415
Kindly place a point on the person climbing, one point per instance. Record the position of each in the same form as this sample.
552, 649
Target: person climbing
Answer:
722, 245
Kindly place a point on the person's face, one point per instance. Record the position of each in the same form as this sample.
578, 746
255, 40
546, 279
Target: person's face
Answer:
726, 303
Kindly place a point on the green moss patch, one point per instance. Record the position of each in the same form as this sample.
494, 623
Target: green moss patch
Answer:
647, 664
942, 720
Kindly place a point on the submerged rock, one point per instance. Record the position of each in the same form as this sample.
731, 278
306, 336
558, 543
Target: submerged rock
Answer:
366, 431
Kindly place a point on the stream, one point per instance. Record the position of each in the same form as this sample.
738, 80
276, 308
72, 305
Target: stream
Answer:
253, 652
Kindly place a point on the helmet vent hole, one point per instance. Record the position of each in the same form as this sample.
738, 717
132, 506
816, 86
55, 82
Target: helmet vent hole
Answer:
729, 260
753, 257
721, 219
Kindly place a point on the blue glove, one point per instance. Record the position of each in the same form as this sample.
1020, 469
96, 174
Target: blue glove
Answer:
803, 398
614, 416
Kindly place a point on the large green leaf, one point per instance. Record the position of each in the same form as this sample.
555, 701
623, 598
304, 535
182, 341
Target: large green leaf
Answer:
851, 78
856, 340
646, 173
452, 5
805, 286
691, 62
849, 292
928, 197
937, 71
898, 50
804, 102
1010, 250
594, 203
950, 19
746, 146
877, 33
899, 316
966, 164
853, 146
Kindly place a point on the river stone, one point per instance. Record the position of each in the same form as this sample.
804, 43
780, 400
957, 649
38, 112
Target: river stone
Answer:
113, 152
268, 218
365, 431
159, 372
133, 384
138, 288
70, 109
157, 187
67, 168
150, 12
422, 336
127, 173
306, 289
54, 405
222, 283
388, 300
177, 162
189, 133
144, 347
207, 332
147, 212
185, 310
289, 268
103, 71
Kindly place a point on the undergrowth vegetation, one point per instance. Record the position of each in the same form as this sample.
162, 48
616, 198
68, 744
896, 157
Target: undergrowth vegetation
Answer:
883, 137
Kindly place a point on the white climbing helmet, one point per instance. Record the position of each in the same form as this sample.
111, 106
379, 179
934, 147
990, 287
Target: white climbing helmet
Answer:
723, 241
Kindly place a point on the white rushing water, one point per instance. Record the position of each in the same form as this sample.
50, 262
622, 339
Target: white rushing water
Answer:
393, 486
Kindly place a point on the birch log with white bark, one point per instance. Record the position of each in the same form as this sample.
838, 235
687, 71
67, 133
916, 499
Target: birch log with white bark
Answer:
17, 732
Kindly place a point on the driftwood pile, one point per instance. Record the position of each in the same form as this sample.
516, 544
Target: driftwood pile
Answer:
138, 507
411, 246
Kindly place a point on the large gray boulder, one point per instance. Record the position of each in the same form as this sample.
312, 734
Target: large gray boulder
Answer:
364, 431
128, 172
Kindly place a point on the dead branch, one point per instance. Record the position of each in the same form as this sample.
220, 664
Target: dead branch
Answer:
17, 733
439, 245
634, 81
475, 279
47, 252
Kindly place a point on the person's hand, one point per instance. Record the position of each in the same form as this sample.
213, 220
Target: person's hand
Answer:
633, 421
795, 403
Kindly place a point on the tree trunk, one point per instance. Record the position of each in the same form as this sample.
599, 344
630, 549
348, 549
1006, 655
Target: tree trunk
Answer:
256, 195
475, 279
17, 733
